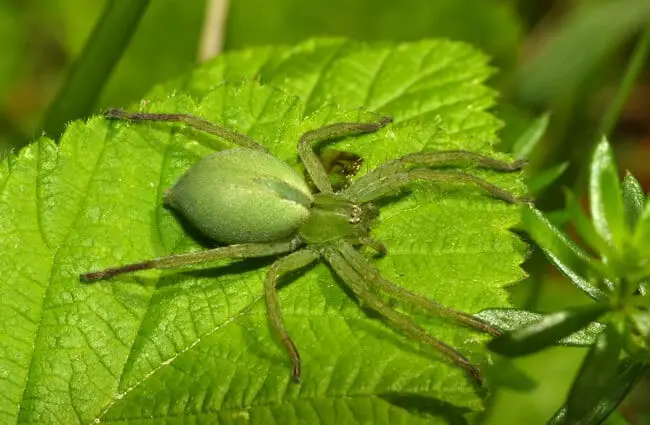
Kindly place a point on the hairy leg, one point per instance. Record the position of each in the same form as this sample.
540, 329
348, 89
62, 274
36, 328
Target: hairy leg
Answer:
376, 245
368, 190
453, 158
371, 274
191, 121
402, 322
282, 266
182, 260
332, 131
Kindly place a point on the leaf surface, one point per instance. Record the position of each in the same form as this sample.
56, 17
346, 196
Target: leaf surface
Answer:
195, 346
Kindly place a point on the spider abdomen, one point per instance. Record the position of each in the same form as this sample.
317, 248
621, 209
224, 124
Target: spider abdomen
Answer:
242, 196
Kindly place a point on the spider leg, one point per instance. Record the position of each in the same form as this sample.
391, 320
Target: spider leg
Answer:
402, 322
282, 266
368, 190
451, 158
332, 131
181, 260
370, 273
435, 159
379, 247
191, 121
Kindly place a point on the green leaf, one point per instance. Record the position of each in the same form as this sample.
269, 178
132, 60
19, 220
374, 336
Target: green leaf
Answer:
642, 232
605, 197
530, 137
509, 319
544, 178
596, 375
562, 251
547, 331
196, 346
633, 200
637, 337
628, 374
585, 227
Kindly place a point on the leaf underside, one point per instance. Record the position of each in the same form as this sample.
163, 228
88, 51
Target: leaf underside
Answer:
195, 346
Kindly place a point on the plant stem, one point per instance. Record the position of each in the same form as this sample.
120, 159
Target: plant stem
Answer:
91, 69
634, 68
213, 29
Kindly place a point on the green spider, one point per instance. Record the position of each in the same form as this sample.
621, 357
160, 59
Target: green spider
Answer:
260, 206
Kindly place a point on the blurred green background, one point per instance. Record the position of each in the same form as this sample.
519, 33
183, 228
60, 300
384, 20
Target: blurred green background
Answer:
566, 57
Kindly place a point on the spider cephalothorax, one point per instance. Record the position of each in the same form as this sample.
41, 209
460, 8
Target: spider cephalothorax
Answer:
260, 206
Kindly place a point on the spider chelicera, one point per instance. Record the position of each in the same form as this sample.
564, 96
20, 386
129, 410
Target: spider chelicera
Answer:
260, 206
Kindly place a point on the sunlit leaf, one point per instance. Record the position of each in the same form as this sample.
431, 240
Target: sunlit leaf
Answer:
642, 232
633, 199
196, 347
530, 137
561, 250
605, 197
585, 226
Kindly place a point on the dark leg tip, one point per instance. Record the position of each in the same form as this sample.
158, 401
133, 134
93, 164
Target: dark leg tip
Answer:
518, 164
385, 121
89, 277
295, 375
525, 200
476, 375
113, 113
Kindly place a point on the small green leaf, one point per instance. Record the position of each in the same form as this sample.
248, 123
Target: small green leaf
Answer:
585, 227
547, 331
628, 374
530, 137
633, 200
642, 231
561, 250
545, 178
637, 338
606, 199
596, 375
509, 319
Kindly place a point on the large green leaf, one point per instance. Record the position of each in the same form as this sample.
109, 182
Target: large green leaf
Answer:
195, 346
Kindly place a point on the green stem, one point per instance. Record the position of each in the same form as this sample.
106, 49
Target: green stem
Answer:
91, 70
634, 68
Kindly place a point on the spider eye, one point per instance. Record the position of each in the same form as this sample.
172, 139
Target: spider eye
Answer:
355, 214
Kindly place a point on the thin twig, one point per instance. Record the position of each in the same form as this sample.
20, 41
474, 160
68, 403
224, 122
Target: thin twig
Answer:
213, 29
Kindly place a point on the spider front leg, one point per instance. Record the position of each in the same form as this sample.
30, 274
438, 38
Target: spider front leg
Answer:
333, 131
448, 158
367, 190
360, 287
395, 175
371, 274
182, 260
191, 121
294, 261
